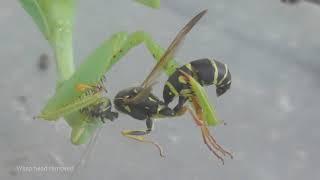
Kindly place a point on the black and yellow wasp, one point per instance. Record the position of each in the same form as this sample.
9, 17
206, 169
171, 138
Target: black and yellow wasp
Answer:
141, 104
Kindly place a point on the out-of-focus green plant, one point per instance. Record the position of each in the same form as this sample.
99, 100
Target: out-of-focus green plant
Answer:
150, 3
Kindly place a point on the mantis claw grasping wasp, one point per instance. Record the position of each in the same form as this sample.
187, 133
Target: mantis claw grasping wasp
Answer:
141, 104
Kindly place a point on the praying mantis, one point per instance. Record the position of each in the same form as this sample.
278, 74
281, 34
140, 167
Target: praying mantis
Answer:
69, 98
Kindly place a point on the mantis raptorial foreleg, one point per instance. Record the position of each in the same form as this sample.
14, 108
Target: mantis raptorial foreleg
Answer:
204, 115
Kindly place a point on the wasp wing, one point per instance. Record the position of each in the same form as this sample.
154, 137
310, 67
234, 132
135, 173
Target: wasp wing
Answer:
141, 96
171, 49
149, 81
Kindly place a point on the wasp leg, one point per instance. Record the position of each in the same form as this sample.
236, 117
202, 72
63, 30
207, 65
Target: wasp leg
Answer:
138, 135
179, 106
107, 113
182, 111
167, 112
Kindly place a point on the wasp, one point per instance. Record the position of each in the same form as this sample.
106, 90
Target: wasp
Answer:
205, 71
140, 103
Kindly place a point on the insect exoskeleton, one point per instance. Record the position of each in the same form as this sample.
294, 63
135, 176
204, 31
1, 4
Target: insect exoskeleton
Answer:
205, 71
101, 110
141, 104
147, 108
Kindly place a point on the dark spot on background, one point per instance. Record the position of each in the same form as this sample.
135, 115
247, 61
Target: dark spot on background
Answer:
22, 99
44, 61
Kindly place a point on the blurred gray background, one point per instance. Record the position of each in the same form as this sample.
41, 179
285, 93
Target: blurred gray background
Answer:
272, 109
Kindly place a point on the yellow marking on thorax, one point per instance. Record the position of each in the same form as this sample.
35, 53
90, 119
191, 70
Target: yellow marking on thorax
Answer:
189, 66
172, 88
186, 92
127, 108
182, 80
151, 99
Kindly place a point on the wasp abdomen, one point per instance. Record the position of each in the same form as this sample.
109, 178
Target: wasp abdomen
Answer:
205, 71
210, 72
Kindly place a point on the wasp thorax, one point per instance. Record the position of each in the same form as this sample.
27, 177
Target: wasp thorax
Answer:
122, 96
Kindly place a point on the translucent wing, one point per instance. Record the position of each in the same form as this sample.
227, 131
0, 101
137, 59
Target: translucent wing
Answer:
156, 71
171, 49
